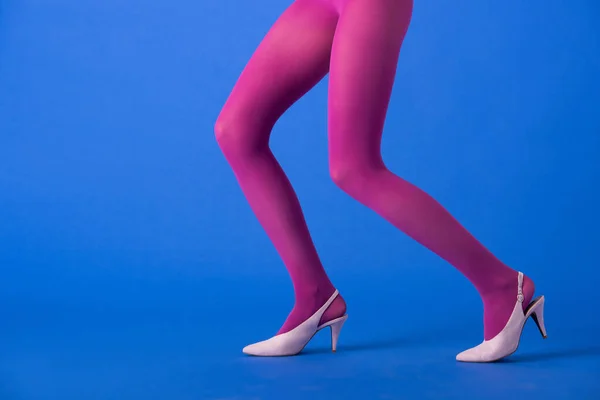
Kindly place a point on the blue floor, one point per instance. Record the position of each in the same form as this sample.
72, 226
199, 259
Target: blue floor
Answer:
141, 345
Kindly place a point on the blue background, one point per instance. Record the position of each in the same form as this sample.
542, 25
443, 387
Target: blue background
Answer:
132, 267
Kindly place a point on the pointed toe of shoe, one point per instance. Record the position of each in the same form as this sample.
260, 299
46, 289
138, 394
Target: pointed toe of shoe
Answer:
467, 356
248, 350
255, 349
484, 352
266, 348
489, 351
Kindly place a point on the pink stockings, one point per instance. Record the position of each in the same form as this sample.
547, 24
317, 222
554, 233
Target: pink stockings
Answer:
358, 43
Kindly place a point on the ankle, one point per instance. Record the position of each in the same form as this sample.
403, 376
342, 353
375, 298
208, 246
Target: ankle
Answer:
507, 286
314, 293
335, 310
501, 284
308, 301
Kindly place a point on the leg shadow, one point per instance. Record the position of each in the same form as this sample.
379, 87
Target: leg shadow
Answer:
414, 340
376, 345
555, 355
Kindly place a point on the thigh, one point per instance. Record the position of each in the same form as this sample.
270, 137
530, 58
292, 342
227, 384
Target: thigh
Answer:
292, 58
363, 65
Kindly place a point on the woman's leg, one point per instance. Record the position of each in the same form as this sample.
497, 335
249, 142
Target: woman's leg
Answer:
363, 66
291, 59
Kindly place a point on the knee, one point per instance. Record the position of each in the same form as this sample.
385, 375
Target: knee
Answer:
356, 178
350, 177
224, 134
235, 136
340, 174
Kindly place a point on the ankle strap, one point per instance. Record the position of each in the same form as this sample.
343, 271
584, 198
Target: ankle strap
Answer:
520, 296
328, 303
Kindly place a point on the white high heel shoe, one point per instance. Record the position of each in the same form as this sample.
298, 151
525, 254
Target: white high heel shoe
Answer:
294, 341
507, 341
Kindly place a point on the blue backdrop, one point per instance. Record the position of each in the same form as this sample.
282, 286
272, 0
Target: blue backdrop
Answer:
132, 267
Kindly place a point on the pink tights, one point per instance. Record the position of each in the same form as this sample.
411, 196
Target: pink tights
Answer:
358, 43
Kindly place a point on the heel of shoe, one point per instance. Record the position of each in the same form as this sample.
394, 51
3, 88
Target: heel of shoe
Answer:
538, 317
336, 327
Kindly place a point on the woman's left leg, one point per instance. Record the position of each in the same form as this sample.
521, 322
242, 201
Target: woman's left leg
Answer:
362, 71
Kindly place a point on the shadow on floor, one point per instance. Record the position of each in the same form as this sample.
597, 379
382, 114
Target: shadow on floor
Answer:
555, 355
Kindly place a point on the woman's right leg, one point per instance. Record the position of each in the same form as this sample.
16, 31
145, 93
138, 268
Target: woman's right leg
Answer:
364, 58
293, 57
